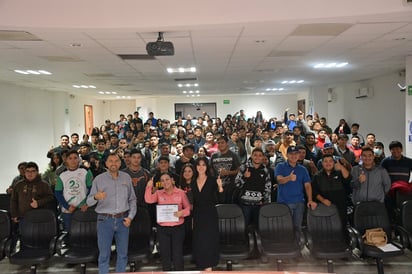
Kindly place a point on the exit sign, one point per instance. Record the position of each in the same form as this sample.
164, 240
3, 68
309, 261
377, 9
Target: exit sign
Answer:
226, 102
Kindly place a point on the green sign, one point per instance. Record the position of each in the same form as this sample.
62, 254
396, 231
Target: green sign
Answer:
226, 102
409, 90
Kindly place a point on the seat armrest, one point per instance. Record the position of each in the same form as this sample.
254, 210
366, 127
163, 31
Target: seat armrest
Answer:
52, 246
403, 234
356, 235
60, 243
308, 240
353, 239
259, 242
2, 246
251, 241
10, 245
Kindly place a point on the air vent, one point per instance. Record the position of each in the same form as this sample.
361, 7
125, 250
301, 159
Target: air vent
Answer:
12, 35
62, 59
136, 57
185, 79
100, 75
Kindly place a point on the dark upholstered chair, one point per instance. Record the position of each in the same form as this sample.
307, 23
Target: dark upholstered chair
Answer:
369, 215
37, 239
405, 229
275, 235
140, 238
79, 246
235, 242
5, 231
327, 239
5, 201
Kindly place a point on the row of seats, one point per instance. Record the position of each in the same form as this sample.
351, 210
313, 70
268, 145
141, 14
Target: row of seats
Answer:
274, 237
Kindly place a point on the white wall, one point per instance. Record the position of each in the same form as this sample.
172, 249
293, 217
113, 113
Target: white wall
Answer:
383, 113
270, 105
408, 106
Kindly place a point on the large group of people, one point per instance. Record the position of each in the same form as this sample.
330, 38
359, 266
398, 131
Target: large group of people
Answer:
180, 170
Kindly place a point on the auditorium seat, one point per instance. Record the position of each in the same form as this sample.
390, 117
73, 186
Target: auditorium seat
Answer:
276, 236
37, 239
327, 238
235, 242
141, 241
5, 231
79, 245
369, 215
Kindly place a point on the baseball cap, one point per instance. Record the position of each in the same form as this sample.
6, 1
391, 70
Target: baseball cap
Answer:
327, 145
270, 142
293, 149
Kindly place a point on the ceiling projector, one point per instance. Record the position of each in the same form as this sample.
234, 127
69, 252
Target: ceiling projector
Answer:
160, 47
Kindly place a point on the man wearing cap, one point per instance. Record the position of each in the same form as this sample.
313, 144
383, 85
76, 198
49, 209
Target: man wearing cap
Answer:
293, 180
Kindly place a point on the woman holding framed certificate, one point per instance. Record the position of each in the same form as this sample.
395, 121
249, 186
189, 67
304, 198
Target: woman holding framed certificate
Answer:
205, 191
171, 209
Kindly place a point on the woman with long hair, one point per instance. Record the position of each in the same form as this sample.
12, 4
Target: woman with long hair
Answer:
205, 191
186, 181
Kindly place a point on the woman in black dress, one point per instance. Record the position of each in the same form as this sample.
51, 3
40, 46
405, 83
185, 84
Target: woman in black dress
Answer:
205, 191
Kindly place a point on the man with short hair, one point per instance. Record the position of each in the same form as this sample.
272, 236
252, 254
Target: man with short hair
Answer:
64, 145
186, 157
355, 132
293, 182
114, 141
72, 188
199, 140
255, 186
140, 176
356, 148
74, 142
116, 207
165, 152
370, 140
151, 153
225, 163
369, 182
30, 193
343, 151
313, 153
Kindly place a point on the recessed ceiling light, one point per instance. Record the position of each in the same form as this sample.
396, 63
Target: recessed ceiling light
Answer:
281, 89
107, 92
181, 70
33, 72
284, 82
114, 92
190, 91
101, 92
196, 84
180, 85
300, 81
197, 91
76, 86
128, 97
198, 95
274, 89
330, 65
45, 72
84, 86
91, 86
193, 95
184, 91
21, 71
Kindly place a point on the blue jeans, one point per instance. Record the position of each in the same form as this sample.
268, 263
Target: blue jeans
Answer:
251, 213
67, 221
107, 228
297, 209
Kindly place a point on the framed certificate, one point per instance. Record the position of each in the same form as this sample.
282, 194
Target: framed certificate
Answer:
165, 213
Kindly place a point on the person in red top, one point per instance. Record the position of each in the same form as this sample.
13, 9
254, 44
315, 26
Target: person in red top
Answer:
355, 148
171, 229
322, 138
